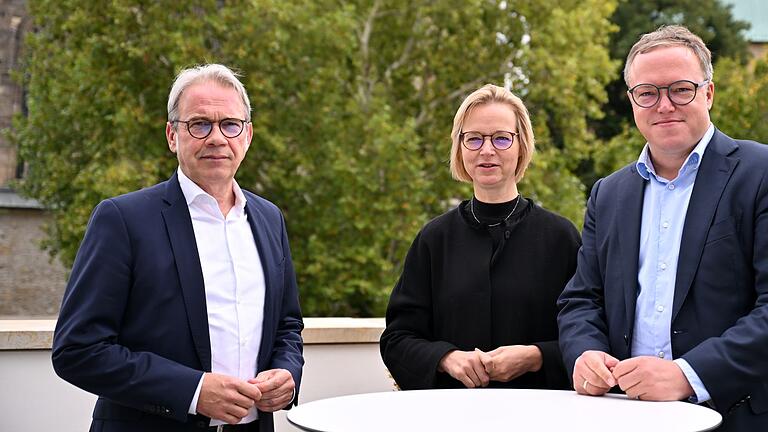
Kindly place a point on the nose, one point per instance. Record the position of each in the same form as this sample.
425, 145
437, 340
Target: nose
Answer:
665, 103
486, 149
216, 137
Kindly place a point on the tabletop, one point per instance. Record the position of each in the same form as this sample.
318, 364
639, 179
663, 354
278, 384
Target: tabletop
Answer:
497, 409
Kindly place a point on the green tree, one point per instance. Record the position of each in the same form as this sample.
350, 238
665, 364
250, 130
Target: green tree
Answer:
741, 99
353, 105
710, 19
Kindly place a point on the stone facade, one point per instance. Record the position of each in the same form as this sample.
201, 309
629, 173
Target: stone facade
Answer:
13, 22
31, 282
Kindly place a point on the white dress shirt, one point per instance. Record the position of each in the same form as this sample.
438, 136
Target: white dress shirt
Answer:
234, 285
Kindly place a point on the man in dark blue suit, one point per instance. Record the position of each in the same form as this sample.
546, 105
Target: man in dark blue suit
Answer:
182, 312
670, 297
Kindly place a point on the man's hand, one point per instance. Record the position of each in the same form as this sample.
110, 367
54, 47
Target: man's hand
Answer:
652, 378
466, 367
592, 373
276, 386
226, 398
509, 362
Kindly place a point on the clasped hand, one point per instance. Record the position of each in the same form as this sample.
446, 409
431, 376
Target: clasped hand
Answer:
227, 398
477, 368
644, 377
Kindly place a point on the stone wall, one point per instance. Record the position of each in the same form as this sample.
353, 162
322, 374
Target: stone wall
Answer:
31, 283
13, 23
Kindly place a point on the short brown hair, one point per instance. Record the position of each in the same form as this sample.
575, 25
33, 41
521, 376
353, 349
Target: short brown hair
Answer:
488, 94
673, 35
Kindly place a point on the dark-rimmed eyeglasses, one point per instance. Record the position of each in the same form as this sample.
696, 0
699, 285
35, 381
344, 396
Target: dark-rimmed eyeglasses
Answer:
680, 93
474, 141
201, 128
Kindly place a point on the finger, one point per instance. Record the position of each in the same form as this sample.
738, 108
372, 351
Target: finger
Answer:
236, 411
249, 390
624, 369
602, 376
276, 392
486, 360
263, 376
482, 375
274, 404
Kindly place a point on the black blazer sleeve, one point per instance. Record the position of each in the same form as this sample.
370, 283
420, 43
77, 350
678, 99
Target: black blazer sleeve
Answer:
407, 345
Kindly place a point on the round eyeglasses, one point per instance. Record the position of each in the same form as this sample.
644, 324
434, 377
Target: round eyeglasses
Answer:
201, 128
680, 93
474, 141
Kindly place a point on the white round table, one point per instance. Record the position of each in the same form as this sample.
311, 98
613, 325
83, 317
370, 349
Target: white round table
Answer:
497, 410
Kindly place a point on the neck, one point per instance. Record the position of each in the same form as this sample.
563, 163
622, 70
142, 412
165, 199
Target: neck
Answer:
668, 166
224, 195
495, 195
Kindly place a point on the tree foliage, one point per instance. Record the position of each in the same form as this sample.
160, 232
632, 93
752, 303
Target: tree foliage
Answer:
710, 19
353, 105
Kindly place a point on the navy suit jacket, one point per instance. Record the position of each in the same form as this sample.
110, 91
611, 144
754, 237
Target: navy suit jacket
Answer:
720, 308
133, 325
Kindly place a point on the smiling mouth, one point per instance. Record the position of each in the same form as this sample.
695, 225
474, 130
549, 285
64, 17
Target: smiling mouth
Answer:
487, 165
666, 122
215, 157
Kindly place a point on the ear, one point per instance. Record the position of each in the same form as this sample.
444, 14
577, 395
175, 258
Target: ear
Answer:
710, 94
248, 135
171, 136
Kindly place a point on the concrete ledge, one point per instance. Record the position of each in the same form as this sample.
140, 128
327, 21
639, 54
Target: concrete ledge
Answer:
38, 334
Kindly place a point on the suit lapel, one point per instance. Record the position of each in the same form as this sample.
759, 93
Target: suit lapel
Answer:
713, 174
628, 225
266, 256
182, 237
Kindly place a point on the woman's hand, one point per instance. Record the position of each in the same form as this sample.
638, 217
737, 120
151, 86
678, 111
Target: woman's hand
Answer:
465, 366
509, 362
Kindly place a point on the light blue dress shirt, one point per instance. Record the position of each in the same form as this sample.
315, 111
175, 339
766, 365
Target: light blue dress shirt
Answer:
664, 207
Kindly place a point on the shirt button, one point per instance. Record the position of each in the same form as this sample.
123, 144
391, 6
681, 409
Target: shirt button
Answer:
671, 186
665, 225
663, 266
660, 308
242, 342
661, 354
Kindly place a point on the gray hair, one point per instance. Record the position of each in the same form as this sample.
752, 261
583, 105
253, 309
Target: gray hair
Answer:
217, 73
666, 36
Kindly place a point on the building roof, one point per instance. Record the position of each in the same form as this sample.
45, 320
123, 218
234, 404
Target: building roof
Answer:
754, 12
10, 199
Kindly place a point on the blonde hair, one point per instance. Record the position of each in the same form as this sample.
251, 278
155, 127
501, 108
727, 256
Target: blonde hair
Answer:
489, 94
667, 36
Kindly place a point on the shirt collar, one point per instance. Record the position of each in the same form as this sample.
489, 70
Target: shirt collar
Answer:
192, 191
645, 168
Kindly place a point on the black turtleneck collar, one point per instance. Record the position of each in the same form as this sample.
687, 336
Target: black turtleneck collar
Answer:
493, 213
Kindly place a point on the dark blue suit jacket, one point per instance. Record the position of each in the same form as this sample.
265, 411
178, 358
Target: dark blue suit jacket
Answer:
720, 308
133, 326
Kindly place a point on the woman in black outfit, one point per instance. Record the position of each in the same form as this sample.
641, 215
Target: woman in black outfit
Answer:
475, 304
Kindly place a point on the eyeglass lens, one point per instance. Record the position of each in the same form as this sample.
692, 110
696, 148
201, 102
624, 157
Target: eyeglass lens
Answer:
680, 93
230, 128
500, 140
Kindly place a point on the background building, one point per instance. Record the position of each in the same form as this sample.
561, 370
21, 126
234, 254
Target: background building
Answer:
31, 282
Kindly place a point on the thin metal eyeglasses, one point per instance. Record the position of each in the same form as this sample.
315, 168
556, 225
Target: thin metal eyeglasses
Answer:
201, 128
680, 93
474, 141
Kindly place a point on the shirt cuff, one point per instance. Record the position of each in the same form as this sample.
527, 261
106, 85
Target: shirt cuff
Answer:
193, 405
701, 394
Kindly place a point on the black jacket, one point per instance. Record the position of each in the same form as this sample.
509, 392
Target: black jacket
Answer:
456, 293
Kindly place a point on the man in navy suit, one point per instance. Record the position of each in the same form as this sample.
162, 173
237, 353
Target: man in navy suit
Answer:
181, 312
670, 297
